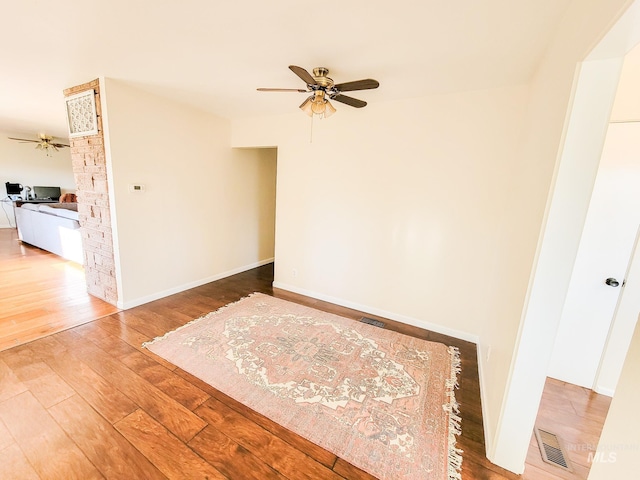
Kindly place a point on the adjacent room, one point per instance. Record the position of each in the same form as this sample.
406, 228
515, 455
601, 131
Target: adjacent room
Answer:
267, 241
43, 282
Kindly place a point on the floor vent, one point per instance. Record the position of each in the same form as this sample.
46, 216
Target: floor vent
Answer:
371, 321
551, 449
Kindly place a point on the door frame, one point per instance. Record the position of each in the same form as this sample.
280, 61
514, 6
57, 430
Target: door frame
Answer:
585, 128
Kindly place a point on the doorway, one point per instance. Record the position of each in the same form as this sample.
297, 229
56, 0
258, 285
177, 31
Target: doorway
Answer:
585, 128
605, 252
600, 311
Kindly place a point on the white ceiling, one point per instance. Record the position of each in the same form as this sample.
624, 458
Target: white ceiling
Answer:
215, 54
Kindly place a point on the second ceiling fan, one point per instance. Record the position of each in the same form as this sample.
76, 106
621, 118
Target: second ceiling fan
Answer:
324, 89
44, 143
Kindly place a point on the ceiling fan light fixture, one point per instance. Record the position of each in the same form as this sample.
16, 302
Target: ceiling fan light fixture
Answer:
306, 106
329, 110
318, 105
323, 88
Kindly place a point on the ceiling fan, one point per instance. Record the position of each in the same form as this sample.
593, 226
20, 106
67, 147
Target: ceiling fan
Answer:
44, 143
323, 89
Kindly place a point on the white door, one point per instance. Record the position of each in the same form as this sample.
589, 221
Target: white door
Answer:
605, 251
622, 328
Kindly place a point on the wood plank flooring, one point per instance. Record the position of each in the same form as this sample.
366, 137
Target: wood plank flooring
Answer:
89, 402
574, 414
40, 293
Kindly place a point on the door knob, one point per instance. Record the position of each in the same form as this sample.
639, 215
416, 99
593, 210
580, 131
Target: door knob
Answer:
612, 282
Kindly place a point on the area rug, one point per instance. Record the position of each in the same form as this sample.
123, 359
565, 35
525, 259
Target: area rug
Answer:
378, 399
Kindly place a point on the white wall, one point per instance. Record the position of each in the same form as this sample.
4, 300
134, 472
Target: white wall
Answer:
619, 447
22, 163
430, 212
395, 208
627, 105
400, 209
207, 210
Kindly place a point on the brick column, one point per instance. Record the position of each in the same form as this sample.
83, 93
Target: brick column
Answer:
90, 173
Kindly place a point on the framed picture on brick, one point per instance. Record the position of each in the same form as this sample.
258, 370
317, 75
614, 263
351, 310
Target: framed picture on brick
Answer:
82, 118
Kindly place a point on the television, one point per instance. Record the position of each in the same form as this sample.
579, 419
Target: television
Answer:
13, 188
47, 193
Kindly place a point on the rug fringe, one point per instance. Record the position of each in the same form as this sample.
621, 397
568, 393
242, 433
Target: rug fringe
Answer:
206, 315
453, 409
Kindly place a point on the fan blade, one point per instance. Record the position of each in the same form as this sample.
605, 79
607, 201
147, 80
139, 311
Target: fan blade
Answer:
24, 140
353, 102
303, 74
58, 145
366, 84
282, 90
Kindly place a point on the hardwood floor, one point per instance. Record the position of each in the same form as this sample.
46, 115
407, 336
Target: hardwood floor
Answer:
574, 414
40, 293
89, 402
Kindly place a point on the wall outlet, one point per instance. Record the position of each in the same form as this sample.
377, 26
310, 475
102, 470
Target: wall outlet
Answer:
294, 272
136, 188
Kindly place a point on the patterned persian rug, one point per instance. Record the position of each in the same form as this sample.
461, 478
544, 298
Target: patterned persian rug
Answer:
378, 399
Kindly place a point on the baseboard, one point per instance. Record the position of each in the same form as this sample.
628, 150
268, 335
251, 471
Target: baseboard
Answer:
604, 391
186, 286
381, 313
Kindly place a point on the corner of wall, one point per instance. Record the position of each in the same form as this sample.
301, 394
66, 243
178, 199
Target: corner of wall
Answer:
104, 104
89, 166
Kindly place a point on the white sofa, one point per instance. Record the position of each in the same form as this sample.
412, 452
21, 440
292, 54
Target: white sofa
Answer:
53, 227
